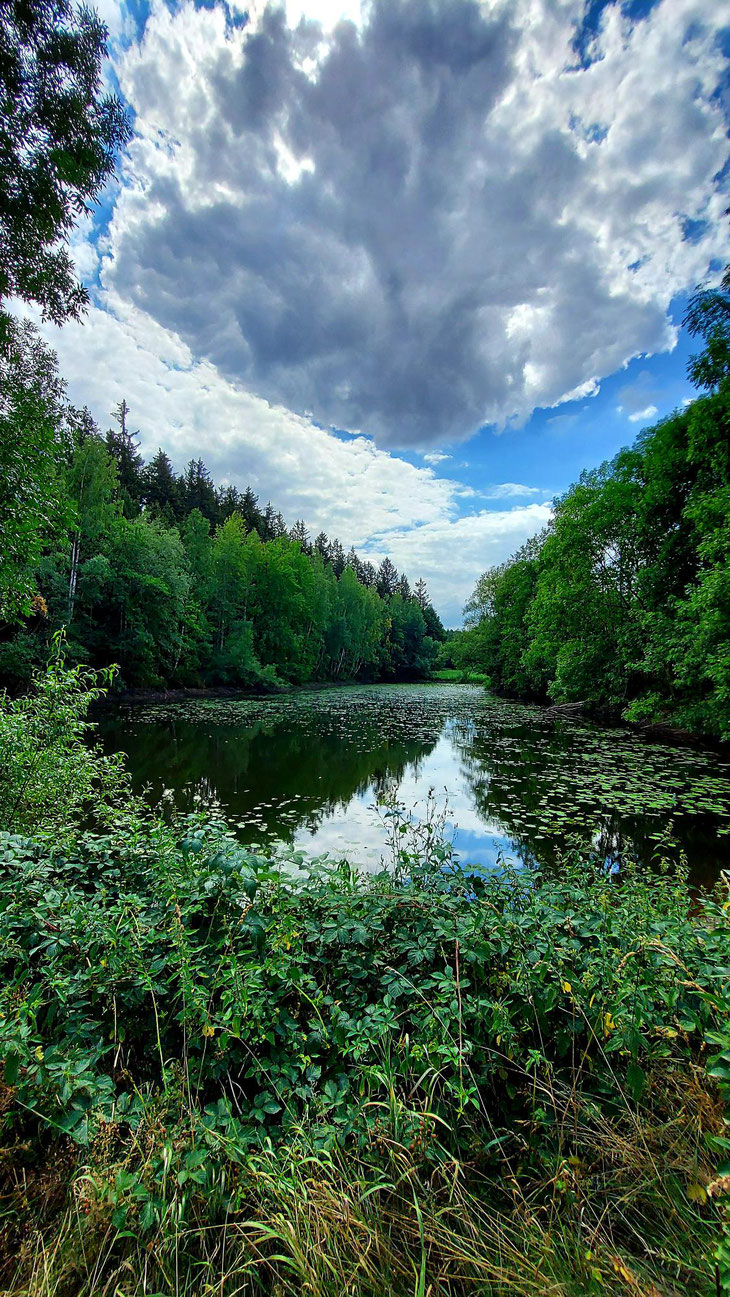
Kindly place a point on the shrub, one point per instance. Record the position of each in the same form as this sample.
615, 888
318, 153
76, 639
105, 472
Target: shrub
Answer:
52, 778
189, 1011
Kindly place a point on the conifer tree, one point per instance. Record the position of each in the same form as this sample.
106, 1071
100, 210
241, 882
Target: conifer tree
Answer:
161, 488
337, 558
322, 547
199, 492
249, 510
300, 534
387, 579
123, 446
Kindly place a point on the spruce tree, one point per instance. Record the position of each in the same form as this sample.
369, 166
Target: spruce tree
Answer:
123, 446
161, 488
387, 579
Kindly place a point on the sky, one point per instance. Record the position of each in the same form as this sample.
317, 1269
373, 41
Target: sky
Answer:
406, 267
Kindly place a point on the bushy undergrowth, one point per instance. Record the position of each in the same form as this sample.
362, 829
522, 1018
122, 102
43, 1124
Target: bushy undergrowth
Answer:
189, 1034
52, 778
228, 1073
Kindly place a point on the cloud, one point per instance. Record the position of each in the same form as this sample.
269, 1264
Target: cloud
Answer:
563, 422
645, 415
637, 399
473, 543
435, 457
506, 490
430, 218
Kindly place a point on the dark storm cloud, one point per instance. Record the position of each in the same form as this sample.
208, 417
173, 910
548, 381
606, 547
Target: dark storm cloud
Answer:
437, 261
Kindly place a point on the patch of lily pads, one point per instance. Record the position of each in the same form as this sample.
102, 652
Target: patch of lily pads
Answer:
539, 780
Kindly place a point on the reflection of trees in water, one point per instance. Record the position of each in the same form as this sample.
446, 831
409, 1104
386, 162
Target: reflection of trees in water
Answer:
293, 767
313, 766
511, 774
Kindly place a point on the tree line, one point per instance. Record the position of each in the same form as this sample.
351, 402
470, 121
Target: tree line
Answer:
623, 602
181, 582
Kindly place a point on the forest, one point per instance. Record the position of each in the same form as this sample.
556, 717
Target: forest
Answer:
623, 602
176, 581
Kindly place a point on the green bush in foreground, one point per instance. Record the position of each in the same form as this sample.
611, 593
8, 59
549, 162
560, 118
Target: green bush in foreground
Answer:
52, 778
226, 1073
196, 1041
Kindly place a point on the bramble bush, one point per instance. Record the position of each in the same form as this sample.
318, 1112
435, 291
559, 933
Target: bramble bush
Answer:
52, 778
269, 1074
207, 1004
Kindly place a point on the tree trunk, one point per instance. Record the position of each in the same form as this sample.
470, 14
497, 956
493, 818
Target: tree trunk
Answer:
74, 575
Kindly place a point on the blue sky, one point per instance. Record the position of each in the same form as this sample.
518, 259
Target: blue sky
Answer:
554, 446
407, 267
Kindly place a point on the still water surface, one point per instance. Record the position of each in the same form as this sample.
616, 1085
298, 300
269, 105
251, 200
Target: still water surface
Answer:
307, 769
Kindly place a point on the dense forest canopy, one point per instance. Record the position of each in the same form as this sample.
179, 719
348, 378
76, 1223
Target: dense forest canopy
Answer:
624, 601
178, 581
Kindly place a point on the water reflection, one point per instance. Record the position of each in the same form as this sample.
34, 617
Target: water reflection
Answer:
309, 768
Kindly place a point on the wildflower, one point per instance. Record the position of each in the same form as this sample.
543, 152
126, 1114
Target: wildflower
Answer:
208, 1030
608, 1024
566, 987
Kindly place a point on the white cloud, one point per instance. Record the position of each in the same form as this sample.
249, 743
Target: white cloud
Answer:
436, 219
645, 415
507, 490
327, 12
637, 399
435, 457
471, 543
112, 13
563, 422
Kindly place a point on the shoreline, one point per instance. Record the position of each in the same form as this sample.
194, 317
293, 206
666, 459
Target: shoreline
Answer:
653, 732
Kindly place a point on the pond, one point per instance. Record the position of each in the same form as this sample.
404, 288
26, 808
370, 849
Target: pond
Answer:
308, 769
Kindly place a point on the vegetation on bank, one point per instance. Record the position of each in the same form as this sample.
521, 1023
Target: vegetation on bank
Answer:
624, 601
230, 1072
180, 583
458, 675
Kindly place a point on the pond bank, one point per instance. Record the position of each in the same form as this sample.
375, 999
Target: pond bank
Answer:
234, 1069
152, 695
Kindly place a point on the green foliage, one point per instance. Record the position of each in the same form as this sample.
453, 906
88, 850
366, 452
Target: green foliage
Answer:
177, 982
51, 779
33, 445
174, 598
624, 602
489, 1078
58, 136
708, 317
